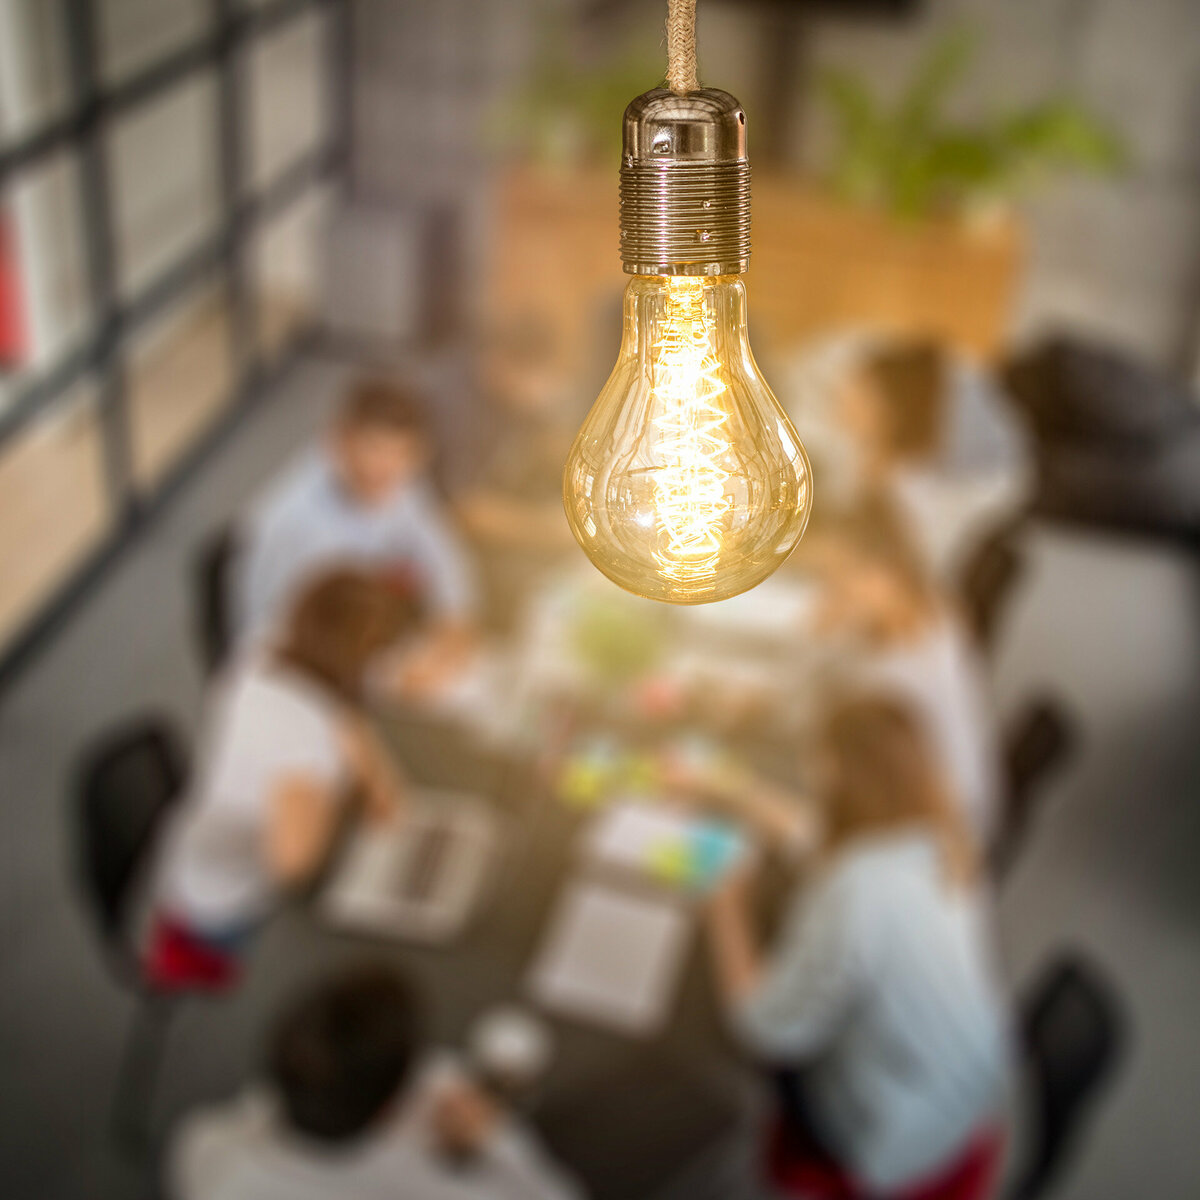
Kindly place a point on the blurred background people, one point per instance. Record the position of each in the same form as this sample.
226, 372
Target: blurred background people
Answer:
224, 226
936, 435
355, 1106
876, 1006
286, 744
363, 498
882, 606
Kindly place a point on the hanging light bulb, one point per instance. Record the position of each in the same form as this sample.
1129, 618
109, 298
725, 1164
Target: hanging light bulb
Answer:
687, 482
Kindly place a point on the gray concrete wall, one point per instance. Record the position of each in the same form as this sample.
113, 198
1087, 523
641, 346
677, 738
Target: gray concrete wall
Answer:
1116, 257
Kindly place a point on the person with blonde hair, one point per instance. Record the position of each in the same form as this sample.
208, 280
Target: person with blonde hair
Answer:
286, 740
876, 1008
897, 631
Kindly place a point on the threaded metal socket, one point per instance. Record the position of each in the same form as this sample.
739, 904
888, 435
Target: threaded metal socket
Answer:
685, 185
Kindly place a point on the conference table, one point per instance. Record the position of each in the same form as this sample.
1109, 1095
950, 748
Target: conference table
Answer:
630, 1116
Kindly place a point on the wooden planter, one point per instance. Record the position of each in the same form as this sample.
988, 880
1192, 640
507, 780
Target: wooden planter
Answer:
817, 267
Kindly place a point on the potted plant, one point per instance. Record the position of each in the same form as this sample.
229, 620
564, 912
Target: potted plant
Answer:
915, 162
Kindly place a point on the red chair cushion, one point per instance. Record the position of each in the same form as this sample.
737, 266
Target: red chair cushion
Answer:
799, 1172
178, 961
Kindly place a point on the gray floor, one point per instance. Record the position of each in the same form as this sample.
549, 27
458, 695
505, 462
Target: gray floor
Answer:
1111, 627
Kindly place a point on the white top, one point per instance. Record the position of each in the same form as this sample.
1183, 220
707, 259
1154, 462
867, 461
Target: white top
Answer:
306, 523
266, 723
939, 674
881, 987
243, 1151
980, 477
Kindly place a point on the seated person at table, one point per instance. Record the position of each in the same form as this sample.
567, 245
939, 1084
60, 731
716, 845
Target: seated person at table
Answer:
362, 498
876, 1008
349, 1113
880, 604
285, 742
937, 436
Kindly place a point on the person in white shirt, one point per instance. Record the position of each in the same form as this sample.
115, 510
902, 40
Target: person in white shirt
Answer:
936, 434
879, 602
352, 1110
362, 498
285, 742
877, 1005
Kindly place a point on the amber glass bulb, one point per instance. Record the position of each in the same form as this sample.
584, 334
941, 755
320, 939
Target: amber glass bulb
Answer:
687, 482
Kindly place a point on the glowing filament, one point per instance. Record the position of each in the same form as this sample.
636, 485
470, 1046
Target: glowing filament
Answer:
690, 499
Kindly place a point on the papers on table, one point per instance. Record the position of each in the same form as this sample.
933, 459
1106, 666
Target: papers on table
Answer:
612, 957
419, 878
616, 941
672, 847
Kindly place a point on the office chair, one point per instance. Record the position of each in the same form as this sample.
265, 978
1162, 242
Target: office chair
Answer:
125, 786
1073, 1034
986, 583
1039, 742
213, 579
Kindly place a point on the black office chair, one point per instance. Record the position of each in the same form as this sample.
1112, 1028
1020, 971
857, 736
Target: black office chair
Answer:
1039, 742
1073, 1033
213, 578
125, 786
986, 583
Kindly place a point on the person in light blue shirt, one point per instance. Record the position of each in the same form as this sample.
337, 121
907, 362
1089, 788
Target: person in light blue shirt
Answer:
878, 1005
362, 499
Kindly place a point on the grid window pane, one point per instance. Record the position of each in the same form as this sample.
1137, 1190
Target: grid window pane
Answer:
288, 259
53, 505
289, 104
45, 268
34, 81
180, 379
135, 34
163, 159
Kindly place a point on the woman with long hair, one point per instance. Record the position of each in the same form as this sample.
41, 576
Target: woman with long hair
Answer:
876, 1009
286, 741
898, 632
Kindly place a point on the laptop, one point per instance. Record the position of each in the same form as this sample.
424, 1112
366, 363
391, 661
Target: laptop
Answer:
420, 878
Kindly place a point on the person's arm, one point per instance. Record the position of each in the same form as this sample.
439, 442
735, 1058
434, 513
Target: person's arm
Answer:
373, 769
504, 1157
737, 956
300, 823
443, 561
782, 816
787, 1005
504, 521
452, 634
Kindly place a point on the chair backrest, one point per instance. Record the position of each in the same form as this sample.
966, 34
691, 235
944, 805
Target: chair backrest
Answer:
125, 784
214, 617
1039, 741
1073, 1032
987, 582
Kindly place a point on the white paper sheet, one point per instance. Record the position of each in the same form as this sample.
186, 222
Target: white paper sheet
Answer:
612, 958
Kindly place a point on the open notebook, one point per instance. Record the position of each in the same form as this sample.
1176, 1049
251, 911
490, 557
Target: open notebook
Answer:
612, 957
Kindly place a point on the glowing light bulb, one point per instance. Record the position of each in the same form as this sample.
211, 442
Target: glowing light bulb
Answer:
687, 482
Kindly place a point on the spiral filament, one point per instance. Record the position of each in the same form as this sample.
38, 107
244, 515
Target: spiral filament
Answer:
689, 483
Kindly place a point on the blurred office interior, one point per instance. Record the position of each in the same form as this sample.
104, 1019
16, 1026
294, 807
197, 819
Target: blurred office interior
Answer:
216, 214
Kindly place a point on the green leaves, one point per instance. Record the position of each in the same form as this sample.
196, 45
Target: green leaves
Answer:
911, 160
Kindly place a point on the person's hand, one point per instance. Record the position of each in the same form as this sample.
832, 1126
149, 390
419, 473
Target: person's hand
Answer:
381, 785
705, 775
464, 1119
732, 892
